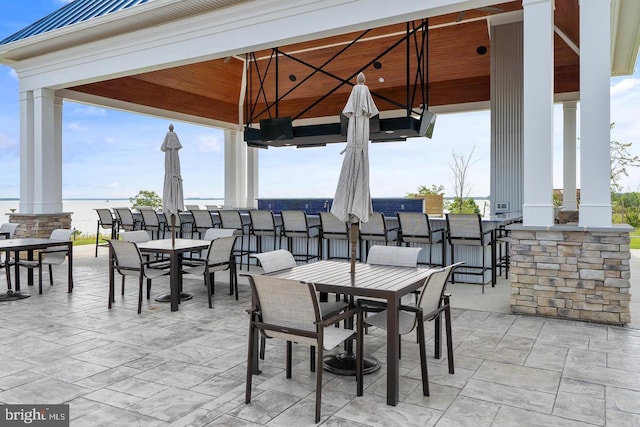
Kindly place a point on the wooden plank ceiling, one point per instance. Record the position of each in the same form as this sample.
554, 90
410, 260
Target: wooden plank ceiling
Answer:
458, 71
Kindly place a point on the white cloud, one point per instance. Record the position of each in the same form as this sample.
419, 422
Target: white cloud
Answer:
91, 111
209, 144
6, 141
12, 73
76, 126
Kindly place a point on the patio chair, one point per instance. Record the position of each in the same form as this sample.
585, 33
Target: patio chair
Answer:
432, 302
415, 229
295, 225
219, 258
395, 256
128, 261
331, 228
288, 310
49, 257
467, 230
192, 207
281, 260
9, 227
202, 221
107, 222
263, 224
151, 221
126, 220
231, 218
376, 230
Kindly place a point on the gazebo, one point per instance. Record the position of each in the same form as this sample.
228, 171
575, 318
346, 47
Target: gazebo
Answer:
264, 69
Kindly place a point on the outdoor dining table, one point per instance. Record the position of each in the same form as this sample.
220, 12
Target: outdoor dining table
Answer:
175, 248
374, 281
29, 245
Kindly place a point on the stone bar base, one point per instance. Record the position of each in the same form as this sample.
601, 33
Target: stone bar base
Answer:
39, 225
571, 272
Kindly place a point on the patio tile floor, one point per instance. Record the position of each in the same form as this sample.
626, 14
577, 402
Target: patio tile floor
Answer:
117, 368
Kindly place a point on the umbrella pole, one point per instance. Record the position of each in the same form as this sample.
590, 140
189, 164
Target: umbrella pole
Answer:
353, 235
173, 230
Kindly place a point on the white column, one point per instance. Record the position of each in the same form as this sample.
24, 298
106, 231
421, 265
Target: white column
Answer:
47, 136
252, 177
26, 153
235, 169
569, 155
538, 112
595, 72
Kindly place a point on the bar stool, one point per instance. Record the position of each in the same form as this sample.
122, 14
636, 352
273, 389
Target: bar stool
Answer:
126, 219
150, 220
331, 228
231, 218
295, 224
202, 221
376, 230
106, 221
263, 224
466, 230
416, 229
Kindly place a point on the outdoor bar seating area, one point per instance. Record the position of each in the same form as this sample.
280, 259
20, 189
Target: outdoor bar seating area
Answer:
312, 234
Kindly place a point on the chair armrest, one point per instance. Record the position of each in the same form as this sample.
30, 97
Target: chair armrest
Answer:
337, 318
371, 305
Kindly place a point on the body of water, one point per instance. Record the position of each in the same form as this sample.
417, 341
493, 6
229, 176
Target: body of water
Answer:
84, 218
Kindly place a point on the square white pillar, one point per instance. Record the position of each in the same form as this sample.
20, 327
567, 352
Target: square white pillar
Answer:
26, 153
47, 152
235, 169
569, 157
595, 72
538, 32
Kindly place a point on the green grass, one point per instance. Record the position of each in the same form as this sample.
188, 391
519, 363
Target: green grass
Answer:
635, 239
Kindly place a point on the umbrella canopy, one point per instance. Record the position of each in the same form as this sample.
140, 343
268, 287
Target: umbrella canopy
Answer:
352, 201
172, 195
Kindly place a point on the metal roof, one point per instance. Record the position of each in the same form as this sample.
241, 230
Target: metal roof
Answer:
72, 13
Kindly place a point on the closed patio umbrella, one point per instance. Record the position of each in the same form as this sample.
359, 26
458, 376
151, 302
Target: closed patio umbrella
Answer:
352, 201
172, 195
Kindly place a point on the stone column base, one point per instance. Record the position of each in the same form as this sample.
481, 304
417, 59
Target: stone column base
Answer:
39, 225
571, 272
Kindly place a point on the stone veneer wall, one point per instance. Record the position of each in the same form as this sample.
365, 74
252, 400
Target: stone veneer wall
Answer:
571, 272
39, 225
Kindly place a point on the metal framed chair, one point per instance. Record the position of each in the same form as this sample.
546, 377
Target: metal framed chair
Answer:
288, 310
219, 258
151, 221
128, 261
126, 220
9, 227
415, 229
280, 260
467, 230
263, 224
202, 221
49, 257
231, 218
432, 302
107, 222
295, 225
331, 228
376, 230
192, 207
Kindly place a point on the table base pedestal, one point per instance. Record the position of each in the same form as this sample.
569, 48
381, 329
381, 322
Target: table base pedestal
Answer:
345, 364
167, 297
12, 296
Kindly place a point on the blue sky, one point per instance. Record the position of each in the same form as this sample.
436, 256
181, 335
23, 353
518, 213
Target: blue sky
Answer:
112, 154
